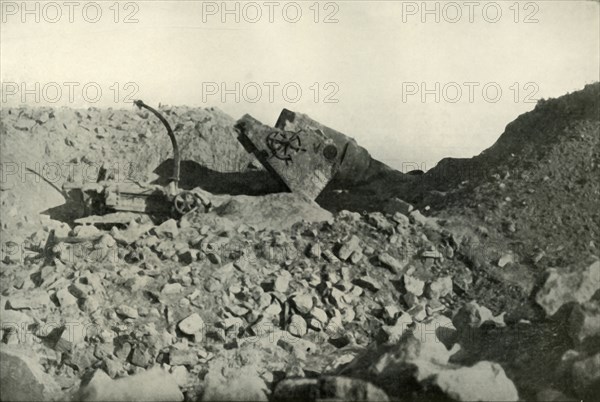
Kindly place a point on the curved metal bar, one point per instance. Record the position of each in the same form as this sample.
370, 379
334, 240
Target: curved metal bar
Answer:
176, 157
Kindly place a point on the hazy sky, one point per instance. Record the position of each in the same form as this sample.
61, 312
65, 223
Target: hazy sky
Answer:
362, 75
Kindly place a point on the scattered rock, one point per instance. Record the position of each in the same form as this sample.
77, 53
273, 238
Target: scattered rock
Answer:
127, 312
368, 282
179, 357
168, 229
413, 285
191, 325
297, 326
303, 303
485, 381
391, 263
31, 299
439, 287
349, 247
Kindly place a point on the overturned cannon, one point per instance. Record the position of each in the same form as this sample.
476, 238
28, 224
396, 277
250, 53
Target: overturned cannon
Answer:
304, 160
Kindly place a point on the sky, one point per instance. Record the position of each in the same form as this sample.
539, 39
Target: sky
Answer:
413, 82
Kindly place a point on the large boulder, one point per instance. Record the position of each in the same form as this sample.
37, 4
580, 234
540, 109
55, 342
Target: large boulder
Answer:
152, 385
578, 285
22, 377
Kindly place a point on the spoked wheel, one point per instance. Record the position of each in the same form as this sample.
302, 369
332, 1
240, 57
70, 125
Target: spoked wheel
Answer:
185, 202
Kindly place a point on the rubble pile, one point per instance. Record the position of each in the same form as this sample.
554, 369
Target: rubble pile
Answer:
268, 295
353, 307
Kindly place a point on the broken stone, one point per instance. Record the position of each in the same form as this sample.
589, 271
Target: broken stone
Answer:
418, 312
127, 312
314, 250
23, 379
65, 298
391, 263
319, 314
393, 333
225, 383
297, 347
471, 316
350, 247
390, 312
378, 220
368, 282
191, 325
69, 336
329, 256
560, 287
32, 299
141, 356
282, 282
297, 326
180, 357
586, 377
584, 321
412, 358
356, 257
86, 231
152, 385
506, 259
230, 322
303, 303
123, 351
439, 288
413, 285
171, 289
485, 381
168, 229
432, 254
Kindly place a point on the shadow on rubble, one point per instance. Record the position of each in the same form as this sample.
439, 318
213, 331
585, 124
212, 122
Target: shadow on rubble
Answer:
193, 174
531, 354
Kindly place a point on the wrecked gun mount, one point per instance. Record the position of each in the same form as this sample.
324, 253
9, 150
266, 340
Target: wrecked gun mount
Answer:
106, 196
304, 160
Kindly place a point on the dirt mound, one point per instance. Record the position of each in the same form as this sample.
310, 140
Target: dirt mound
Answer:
537, 186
